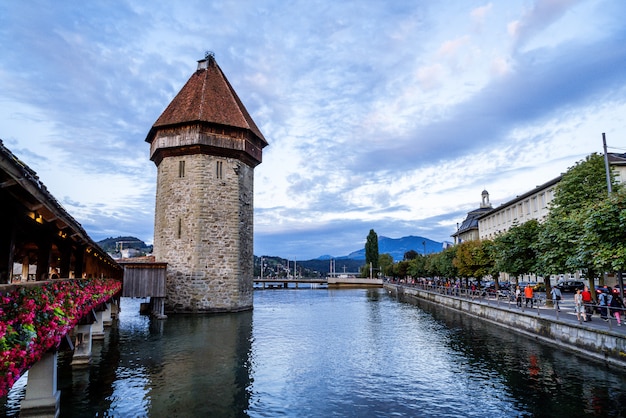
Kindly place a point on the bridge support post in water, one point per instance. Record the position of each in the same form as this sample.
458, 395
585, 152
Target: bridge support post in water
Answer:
115, 307
97, 328
82, 345
107, 320
42, 397
158, 307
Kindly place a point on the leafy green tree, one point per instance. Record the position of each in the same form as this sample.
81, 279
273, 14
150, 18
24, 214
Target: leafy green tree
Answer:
430, 265
555, 246
371, 250
490, 265
401, 269
466, 258
441, 265
559, 237
410, 255
581, 185
385, 263
417, 266
517, 249
475, 259
603, 236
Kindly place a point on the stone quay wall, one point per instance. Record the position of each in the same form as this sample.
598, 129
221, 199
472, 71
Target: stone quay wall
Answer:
602, 345
204, 232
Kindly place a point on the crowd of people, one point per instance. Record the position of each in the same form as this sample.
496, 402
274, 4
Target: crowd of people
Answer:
609, 304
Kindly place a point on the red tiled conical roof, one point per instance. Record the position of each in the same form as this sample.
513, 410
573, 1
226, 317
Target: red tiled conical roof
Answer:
207, 97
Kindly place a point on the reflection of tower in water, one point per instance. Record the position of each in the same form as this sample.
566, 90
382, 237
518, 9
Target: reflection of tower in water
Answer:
187, 365
203, 366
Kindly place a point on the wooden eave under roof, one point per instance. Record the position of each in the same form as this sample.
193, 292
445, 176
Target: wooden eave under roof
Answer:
206, 98
21, 182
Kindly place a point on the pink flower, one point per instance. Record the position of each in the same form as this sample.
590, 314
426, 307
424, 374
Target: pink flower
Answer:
51, 309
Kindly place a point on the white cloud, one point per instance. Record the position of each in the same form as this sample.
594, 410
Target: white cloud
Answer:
392, 116
451, 48
479, 14
537, 18
501, 66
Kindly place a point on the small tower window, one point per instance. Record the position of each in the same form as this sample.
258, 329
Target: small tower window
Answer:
180, 228
218, 169
181, 168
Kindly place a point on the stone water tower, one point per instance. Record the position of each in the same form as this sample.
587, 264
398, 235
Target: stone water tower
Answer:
205, 146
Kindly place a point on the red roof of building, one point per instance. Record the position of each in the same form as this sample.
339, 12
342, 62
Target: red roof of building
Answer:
207, 97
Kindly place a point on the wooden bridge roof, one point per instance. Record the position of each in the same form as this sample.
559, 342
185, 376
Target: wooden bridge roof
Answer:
22, 190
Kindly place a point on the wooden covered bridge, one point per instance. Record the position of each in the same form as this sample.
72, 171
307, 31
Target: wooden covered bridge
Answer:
39, 239
57, 286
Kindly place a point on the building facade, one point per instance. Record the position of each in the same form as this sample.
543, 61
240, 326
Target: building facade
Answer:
205, 146
533, 204
530, 205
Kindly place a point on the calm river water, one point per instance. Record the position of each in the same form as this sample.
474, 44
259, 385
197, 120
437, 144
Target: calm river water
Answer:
323, 353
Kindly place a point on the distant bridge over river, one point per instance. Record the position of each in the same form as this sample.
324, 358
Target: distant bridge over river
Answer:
284, 282
339, 281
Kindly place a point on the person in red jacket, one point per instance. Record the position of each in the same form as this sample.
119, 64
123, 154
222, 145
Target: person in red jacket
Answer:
528, 293
588, 302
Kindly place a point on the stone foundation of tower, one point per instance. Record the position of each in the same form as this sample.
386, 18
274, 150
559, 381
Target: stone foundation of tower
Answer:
204, 232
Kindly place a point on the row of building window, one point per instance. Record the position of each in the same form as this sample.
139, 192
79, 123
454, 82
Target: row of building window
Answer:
535, 207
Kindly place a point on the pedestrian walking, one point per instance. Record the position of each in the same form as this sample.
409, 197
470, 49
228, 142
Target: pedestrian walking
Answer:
556, 297
579, 306
528, 294
518, 296
603, 301
588, 302
616, 308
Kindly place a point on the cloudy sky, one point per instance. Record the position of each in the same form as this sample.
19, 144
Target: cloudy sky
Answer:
387, 115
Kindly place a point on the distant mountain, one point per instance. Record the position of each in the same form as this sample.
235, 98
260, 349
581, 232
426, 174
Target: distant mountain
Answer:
396, 247
113, 245
313, 267
325, 257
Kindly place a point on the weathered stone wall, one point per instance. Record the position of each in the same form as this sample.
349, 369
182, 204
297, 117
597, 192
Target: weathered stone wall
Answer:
602, 345
204, 231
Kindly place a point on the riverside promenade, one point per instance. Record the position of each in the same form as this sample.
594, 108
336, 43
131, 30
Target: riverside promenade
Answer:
600, 340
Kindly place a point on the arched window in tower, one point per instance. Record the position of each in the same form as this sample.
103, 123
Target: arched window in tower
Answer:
218, 169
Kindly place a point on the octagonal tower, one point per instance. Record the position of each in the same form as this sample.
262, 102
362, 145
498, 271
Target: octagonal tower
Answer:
205, 146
